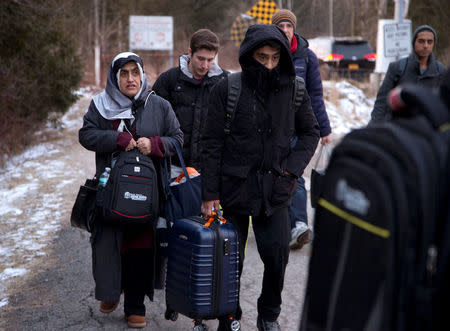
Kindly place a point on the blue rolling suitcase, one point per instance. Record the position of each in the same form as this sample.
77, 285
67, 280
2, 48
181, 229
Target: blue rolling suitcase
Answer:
202, 270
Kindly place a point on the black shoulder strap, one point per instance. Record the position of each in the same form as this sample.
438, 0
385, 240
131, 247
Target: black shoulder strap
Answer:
299, 92
402, 67
234, 91
441, 67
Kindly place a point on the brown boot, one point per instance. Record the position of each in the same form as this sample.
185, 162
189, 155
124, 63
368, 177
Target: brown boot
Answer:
136, 321
108, 307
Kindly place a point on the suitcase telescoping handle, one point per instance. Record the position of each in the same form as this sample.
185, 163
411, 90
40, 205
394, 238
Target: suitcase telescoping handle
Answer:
214, 217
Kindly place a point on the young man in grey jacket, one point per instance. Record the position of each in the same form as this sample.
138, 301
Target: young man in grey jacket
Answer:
420, 67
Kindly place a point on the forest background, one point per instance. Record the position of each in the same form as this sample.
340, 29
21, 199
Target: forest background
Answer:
47, 46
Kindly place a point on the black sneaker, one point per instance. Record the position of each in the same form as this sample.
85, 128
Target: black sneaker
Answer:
264, 325
228, 324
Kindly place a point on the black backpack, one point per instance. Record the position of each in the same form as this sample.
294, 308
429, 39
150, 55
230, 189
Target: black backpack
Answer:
131, 193
234, 92
381, 253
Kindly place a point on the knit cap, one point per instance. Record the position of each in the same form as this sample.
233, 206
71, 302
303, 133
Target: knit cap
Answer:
423, 28
284, 15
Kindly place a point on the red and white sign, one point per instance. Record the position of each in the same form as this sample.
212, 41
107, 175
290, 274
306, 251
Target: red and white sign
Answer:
151, 33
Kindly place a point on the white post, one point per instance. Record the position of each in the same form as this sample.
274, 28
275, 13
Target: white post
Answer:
399, 11
96, 46
398, 14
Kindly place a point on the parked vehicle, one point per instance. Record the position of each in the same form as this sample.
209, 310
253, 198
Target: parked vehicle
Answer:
351, 57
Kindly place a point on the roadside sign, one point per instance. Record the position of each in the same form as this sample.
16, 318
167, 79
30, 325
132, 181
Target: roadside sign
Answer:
263, 11
392, 42
397, 39
240, 26
151, 33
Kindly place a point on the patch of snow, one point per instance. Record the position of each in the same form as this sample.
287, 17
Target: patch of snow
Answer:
12, 272
352, 109
3, 302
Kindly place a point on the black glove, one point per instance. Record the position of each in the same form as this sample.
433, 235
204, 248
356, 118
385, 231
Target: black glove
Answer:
162, 237
284, 187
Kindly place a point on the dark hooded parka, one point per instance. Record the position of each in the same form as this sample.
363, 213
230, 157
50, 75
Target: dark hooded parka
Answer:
245, 168
151, 117
307, 67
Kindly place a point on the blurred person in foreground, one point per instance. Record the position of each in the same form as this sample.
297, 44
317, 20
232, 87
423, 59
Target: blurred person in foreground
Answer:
306, 67
188, 87
253, 170
123, 117
420, 67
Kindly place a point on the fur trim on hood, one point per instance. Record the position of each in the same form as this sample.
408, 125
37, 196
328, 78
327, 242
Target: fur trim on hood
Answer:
215, 70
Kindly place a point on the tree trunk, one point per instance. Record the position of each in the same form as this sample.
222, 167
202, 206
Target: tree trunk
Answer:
382, 8
97, 45
352, 17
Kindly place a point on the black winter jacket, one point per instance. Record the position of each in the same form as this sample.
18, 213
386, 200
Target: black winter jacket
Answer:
245, 169
431, 78
98, 135
189, 99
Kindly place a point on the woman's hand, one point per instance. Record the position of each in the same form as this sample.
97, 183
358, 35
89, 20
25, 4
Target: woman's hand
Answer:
144, 145
131, 145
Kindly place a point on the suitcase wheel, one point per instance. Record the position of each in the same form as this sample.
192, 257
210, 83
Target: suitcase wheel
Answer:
232, 325
199, 326
235, 325
171, 314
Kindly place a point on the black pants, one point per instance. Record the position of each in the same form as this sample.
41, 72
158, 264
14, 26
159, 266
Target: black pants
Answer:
272, 234
137, 279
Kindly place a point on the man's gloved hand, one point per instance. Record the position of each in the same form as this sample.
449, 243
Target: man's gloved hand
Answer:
162, 237
283, 188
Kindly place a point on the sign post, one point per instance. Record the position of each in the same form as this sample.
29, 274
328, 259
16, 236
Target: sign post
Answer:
397, 40
393, 42
152, 33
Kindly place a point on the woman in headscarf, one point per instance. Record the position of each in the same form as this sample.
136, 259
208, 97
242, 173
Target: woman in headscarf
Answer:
126, 116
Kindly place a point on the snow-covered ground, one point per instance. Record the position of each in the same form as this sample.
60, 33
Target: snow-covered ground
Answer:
33, 190
352, 109
34, 184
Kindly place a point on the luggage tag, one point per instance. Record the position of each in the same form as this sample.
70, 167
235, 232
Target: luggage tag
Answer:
214, 217
217, 216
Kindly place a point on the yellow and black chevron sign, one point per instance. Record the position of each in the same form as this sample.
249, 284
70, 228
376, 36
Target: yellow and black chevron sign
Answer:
263, 11
240, 26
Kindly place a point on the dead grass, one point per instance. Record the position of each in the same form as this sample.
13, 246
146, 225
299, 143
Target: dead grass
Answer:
332, 95
365, 85
16, 134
